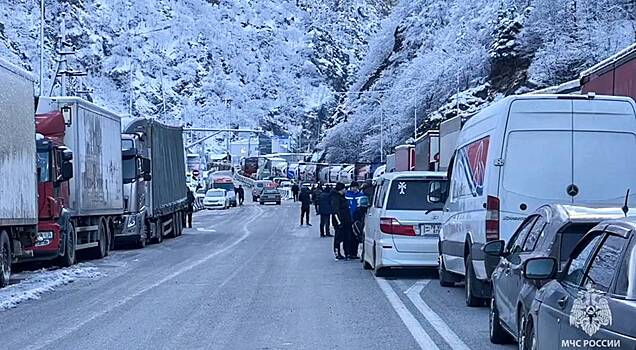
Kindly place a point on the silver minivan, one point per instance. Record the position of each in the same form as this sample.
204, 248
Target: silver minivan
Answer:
403, 221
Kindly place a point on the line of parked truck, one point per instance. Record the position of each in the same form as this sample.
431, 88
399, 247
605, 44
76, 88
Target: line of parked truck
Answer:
75, 179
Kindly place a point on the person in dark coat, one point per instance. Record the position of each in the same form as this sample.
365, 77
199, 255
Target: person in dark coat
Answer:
240, 192
305, 203
342, 222
190, 209
295, 190
325, 211
316, 198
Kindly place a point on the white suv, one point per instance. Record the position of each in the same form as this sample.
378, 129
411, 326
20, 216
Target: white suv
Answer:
403, 222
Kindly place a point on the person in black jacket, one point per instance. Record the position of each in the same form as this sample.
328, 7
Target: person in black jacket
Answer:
315, 196
305, 204
325, 211
342, 222
295, 190
240, 192
190, 209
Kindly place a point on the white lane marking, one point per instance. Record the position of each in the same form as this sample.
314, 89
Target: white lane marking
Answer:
440, 326
412, 324
67, 331
206, 229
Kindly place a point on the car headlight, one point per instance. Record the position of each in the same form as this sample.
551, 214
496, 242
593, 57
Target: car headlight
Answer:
132, 221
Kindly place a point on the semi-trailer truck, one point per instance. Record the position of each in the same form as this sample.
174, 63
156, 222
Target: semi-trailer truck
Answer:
155, 192
18, 207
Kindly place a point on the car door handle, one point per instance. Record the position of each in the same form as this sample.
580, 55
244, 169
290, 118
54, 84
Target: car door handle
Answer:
562, 302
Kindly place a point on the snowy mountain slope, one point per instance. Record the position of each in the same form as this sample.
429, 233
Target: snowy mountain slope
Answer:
273, 63
427, 50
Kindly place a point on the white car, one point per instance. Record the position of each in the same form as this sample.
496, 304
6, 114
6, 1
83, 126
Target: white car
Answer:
216, 198
403, 221
521, 153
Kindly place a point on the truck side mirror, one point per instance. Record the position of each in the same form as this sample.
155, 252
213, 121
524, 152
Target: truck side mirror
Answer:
145, 166
67, 171
67, 155
147, 177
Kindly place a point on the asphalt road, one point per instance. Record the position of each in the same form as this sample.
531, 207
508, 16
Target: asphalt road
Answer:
245, 278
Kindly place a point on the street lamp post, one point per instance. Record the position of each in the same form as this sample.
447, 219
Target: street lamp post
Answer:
41, 46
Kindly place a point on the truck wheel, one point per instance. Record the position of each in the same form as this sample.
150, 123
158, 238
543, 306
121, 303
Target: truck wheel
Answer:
70, 243
159, 231
141, 242
101, 250
5, 259
179, 223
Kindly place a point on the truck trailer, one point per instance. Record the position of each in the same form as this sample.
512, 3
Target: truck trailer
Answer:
405, 158
155, 192
427, 151
18, 207
95, 200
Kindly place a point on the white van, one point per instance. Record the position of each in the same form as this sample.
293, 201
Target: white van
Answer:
403, 221
523, 152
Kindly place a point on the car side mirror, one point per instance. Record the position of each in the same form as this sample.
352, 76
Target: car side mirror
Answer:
540, 268
495, 248
66, 171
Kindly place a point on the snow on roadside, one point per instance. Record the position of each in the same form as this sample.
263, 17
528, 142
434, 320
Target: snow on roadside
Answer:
34, 284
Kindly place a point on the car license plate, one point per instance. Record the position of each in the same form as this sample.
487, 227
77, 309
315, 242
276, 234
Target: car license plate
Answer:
430, 229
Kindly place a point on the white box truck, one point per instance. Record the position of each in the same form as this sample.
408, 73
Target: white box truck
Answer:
96, 196
18, 174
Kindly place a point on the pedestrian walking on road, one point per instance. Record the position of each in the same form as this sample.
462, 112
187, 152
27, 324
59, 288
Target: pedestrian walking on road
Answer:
240, 192
316, 198
295, 190
342, 222
190, 209
305, 204
325, 210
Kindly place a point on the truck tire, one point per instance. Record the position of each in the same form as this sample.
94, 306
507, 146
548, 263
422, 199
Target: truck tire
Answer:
173, 226
5, 259
159, 231
179, 223
70, 243
101, 250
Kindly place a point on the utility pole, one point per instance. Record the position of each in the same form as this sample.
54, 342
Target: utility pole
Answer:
63, 67
41, 46
415, 113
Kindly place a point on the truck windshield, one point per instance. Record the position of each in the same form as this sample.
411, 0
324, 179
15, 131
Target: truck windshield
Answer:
44, 166
129, 169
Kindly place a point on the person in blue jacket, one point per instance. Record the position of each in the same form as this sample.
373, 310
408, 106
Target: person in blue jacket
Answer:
352, 196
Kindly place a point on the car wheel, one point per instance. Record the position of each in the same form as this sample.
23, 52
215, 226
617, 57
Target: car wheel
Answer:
70, 244
445, 277
5, 259
471, 282
527, 338
498, 335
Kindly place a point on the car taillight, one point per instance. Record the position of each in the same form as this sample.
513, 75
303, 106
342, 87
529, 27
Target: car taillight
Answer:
492, 218
393, 227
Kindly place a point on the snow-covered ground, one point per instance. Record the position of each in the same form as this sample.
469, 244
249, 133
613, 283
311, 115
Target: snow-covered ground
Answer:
33, 285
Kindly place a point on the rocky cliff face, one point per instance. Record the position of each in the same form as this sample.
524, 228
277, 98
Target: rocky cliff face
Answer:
433, 58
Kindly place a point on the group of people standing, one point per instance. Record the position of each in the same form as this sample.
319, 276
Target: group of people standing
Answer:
337, 207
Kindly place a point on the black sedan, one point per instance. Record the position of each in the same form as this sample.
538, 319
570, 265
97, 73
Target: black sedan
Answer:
551, 231
592, 303
270, 195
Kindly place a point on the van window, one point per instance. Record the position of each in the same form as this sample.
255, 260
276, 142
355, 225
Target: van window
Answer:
538, 164
469, 173
415, 194
379, 200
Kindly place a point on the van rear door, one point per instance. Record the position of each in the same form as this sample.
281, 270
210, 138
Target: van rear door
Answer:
537, 155
604, 145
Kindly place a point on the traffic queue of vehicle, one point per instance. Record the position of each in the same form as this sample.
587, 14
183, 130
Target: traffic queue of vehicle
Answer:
75, 179
532, 215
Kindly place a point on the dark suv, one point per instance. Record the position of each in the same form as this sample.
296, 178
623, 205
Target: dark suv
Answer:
551, 231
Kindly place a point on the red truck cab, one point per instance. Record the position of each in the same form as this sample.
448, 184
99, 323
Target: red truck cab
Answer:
55, 237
